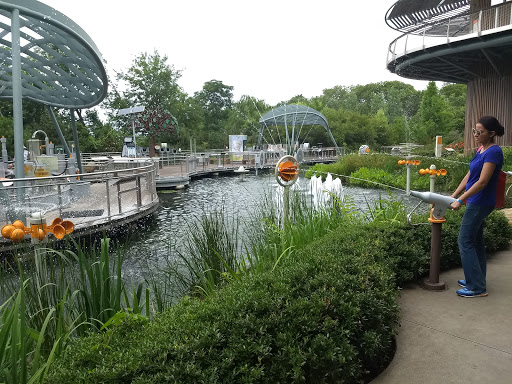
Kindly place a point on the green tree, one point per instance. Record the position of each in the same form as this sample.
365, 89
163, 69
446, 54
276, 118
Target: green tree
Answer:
244, 118
216, 99
455, 97
152, 83
433, 117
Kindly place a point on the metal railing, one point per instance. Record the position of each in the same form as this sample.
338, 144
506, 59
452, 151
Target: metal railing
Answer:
451, 30
89, 200
203, 161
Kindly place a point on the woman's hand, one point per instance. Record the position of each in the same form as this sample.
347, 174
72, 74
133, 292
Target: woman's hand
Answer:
455, 205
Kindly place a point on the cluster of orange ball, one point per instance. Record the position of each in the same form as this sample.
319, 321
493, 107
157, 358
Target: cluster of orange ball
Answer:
14, 232
17, 230
411, 162
434, 172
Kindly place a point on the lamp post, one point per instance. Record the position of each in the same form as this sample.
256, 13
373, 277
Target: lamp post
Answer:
131, 111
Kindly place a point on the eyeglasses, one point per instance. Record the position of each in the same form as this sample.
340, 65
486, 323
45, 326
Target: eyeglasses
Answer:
477, 132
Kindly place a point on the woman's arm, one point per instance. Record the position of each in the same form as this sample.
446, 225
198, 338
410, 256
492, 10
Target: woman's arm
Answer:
461, 187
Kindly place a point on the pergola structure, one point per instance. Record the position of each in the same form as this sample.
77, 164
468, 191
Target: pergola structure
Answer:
47, 58
294, 118
458, 41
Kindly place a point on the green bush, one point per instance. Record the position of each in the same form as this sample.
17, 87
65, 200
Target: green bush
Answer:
328, 313
385, 169
379, 178
324, 316
507, 158
351, 163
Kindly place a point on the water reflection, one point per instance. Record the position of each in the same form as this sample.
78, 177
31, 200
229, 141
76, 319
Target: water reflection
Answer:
237, 197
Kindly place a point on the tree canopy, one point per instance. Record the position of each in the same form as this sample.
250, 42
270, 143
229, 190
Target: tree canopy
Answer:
375, 114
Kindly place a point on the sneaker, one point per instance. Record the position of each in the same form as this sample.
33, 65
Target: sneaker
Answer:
464, 292
462, 283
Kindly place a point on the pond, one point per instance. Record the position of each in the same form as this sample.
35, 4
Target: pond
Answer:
237, 197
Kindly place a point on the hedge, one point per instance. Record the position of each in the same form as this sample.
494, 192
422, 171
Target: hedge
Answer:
327, 314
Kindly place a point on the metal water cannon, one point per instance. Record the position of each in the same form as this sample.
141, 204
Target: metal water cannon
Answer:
38, 229
440, 202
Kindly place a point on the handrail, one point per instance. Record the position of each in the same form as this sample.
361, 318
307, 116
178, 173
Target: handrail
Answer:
95, 204
79, 175
491, 13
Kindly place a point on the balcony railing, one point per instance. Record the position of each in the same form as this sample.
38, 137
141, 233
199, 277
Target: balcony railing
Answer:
451, 30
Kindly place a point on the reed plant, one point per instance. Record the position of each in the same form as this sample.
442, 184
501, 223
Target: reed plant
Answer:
22, 355
57, 295
210, 256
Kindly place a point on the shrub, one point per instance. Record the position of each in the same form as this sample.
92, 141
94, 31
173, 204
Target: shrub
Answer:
385, 169
324, 316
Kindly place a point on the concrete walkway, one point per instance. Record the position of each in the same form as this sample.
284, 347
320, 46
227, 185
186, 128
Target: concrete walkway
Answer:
445, 339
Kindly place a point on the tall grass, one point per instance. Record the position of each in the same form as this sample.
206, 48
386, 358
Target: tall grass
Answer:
217, 251
59, 295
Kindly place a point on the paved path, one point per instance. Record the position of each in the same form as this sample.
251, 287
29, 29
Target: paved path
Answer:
445, 339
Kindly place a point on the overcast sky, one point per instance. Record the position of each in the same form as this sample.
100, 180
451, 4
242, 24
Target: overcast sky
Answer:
269, 49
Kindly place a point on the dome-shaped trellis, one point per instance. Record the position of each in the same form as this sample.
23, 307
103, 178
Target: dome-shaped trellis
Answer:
293, 117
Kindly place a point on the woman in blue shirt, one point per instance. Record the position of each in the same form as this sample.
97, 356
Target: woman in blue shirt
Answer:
479, 186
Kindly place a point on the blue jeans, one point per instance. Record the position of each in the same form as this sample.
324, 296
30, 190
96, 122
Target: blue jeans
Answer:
472, 246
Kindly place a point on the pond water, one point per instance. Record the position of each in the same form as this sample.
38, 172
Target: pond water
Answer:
237, 197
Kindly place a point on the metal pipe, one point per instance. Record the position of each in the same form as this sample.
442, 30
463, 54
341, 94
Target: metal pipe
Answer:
17, 96
433, 283
75, 139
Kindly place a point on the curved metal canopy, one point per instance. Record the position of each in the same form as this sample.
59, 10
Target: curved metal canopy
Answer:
293, 115
420, 16
60, 64
463, 54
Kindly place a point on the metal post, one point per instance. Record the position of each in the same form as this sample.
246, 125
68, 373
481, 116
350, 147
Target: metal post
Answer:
448, 31
138, 191
133, 128
479, 24
432, 179
286, 207
433, 283
59, 132
59, 192
5, 158
75, 139
108, 199
408, 180
17, 99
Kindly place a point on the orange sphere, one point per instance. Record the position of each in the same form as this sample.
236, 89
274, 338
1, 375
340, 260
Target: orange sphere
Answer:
18, 224
17, 235
7, 230
443, 172
40, 234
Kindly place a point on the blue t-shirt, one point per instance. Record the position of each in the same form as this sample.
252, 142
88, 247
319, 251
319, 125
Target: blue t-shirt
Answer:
486, 196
